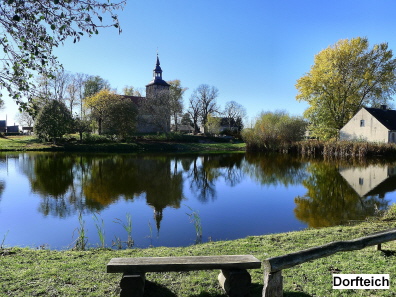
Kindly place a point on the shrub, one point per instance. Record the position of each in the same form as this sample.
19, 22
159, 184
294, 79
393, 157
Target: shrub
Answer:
53, 121
274, 131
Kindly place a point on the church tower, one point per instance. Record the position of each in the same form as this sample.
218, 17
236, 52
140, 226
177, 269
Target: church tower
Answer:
157, 85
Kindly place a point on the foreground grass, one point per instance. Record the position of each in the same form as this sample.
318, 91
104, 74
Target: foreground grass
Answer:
29, 272
30, 143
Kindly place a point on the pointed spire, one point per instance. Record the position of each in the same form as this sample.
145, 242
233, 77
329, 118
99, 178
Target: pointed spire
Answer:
157, 70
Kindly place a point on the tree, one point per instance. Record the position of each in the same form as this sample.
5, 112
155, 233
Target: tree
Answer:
213, 124
186, 120
121, 118
194, 112
234, 113
53, 121
273, 130
94, 85
24, 118
344, 78
99, 105
131, 91
31, 30
176, 92
205, 96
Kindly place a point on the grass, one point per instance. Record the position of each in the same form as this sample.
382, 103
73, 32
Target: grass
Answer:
23, 143
147, 143
30, 272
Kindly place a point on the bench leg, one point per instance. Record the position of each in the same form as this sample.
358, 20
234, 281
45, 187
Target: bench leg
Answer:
273, 284
236, 283
132, 284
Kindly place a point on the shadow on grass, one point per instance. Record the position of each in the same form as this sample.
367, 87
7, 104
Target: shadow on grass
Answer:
152, 289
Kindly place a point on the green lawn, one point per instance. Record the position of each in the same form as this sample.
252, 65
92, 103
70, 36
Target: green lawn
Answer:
27, 143
32, 272
21, 143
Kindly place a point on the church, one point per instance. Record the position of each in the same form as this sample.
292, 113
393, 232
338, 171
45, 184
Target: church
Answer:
154, 109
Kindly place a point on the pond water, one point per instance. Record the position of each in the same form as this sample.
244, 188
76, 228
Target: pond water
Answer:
42, 196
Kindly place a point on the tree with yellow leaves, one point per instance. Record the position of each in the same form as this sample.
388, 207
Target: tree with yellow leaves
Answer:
345, 77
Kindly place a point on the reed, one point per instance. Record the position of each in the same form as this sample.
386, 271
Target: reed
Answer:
128, 228
81, 242
151, 234
344, 149
4, 238
196, 220
100, 229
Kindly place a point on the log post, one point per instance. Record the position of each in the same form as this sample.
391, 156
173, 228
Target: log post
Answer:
132, 285
236, 282
273, 282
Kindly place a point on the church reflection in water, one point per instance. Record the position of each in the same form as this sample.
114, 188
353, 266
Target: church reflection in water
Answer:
72, 183
69, 183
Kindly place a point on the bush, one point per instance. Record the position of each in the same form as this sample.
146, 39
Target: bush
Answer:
274, 131
53, 121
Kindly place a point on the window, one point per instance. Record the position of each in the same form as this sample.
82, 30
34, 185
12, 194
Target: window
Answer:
361, 181
361, 123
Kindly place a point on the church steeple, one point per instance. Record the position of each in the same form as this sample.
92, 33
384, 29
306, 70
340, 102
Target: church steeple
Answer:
157, 70
157, 83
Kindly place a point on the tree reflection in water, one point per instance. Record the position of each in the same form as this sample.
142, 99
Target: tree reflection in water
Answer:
72, 183
330, 200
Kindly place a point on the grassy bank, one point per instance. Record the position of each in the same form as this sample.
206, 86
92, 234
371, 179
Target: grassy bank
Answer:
30, 272
139, 144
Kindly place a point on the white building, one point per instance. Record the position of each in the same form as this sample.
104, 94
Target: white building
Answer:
372, 125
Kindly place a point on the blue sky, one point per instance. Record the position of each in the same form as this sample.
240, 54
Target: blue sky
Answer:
253, 51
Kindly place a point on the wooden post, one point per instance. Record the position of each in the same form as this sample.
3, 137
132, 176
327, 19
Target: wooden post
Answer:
132, 285
378, 247
273, 282
236, 283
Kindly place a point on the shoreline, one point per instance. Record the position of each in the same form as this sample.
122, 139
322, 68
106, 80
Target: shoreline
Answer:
76, 273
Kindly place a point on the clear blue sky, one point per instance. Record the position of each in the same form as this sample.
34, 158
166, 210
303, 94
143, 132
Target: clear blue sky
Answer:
253, 51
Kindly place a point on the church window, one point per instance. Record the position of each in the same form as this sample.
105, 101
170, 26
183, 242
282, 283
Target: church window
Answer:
361, 123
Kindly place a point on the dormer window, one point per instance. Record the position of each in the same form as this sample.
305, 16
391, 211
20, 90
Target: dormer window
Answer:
361, 123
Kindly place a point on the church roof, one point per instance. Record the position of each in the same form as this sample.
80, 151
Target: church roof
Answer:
386, 117
135, 99
157, 81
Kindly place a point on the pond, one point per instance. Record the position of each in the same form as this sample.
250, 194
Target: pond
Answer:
179, 200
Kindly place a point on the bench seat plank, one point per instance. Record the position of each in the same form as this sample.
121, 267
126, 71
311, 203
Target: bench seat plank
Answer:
188, 263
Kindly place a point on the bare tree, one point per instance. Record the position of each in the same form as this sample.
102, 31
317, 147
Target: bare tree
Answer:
194, 112
234, 113
206, 96
24, 118
80, 80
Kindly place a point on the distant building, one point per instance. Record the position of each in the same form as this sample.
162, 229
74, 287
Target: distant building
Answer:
372, 125
13, 129
153, 117
3, 126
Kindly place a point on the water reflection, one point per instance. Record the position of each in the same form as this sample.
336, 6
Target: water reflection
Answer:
370, 180
228, 186
275, 170
330, 200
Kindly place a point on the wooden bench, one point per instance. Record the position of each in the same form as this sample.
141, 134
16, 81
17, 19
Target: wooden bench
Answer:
233, 278
273, 280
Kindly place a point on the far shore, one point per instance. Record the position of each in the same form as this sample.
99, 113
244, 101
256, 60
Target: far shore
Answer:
201, 144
